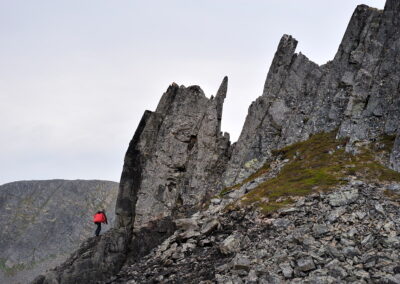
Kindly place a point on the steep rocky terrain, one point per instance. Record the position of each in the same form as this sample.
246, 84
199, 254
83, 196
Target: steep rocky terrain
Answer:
42, 222
350, 236
321, 141
338, 226
357, 92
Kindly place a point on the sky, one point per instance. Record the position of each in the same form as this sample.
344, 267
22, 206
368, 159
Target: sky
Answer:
77, 75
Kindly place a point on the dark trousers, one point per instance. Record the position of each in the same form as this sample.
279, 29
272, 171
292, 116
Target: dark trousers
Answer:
98, 228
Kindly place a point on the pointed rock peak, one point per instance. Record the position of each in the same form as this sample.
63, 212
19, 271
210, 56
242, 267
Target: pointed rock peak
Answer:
281, 62
223, 88
220, 97
173, 85
393, 5
167, 98
287, 45
284, 53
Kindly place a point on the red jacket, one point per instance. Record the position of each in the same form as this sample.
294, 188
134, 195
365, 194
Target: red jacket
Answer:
100, 217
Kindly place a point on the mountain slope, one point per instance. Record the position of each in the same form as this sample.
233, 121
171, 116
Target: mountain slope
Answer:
44, 221
178, 159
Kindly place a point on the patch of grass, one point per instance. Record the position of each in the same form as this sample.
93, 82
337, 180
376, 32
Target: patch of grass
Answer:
317, 165
265, 168
267, 208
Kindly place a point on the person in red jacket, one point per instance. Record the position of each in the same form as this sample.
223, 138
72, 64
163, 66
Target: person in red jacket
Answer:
98, 218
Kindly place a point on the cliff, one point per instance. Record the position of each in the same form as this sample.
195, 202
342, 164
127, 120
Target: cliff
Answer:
42, 222
357, 93
176, 158
315, 129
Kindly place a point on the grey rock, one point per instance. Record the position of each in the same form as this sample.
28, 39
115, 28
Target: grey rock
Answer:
342, 198
394, 187
362, 274
350, 251
393, 242
379, 208
186, 224
335, 214
252, 277
231, 244
281, 223
241, 262
215, 201
305, 264
210, 226
368, 240
189, 234
395, 156
336, 270
361, 215
320, 230
287, 269
391, 279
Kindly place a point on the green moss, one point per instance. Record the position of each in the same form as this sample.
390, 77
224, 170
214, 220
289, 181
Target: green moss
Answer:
317, 164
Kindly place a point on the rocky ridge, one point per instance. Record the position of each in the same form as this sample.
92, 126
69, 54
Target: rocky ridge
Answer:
178, 158
42, 222
357, 92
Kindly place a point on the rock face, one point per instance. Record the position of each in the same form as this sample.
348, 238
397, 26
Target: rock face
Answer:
42, 222
176, 158
357, 93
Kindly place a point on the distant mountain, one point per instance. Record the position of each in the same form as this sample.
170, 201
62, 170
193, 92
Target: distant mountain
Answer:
44, 221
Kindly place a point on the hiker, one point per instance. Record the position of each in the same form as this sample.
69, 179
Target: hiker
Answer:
98, 218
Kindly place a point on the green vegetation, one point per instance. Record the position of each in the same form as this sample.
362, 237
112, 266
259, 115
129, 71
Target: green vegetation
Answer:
255, 175
2, 263
316, 165
10, 271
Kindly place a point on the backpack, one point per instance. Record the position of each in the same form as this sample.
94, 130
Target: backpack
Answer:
99, 218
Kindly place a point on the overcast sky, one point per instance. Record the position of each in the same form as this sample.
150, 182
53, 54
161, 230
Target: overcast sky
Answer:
77, 75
